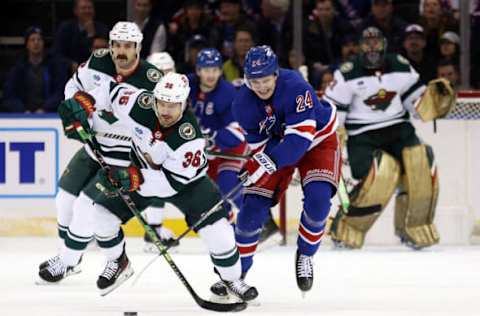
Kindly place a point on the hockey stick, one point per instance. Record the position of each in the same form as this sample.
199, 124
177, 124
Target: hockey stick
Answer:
342, 189
204, 216
227, 307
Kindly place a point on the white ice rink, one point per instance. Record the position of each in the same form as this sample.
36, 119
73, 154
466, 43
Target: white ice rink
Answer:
374, 281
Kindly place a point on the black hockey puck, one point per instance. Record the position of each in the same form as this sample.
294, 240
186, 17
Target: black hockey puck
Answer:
130, 314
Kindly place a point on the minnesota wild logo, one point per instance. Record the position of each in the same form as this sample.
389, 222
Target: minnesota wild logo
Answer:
380, 100
108, 116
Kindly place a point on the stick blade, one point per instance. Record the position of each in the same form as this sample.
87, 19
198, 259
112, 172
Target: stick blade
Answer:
221, 307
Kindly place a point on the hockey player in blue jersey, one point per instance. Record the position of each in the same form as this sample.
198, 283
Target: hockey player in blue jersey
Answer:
211, 98
286, 127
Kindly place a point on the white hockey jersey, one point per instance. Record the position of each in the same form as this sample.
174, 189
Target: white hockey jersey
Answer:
169, 158
369, 100
112, 135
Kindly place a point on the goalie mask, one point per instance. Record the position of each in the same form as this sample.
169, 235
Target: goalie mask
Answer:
373, 46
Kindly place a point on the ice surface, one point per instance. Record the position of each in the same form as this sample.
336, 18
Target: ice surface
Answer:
374, 281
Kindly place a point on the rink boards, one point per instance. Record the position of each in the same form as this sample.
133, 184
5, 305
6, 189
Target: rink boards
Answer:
34, 152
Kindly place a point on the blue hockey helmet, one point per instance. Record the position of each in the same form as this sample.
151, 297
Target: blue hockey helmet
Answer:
209, 57
260, 62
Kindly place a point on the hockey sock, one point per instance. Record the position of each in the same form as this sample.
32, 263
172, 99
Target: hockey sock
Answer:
316, 207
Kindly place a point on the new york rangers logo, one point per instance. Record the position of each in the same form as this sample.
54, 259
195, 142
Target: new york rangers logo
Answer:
269, 121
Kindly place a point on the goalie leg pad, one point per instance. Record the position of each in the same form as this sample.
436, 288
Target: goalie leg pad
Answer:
415, 204
368, 200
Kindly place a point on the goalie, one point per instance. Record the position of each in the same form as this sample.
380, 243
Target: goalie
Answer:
374, 94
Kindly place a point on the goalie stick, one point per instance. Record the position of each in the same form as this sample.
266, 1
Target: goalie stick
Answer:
219, 307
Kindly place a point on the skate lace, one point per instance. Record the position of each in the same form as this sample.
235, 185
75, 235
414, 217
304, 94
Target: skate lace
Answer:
110, 269
53, 260
238, 286
305, 266
56, 267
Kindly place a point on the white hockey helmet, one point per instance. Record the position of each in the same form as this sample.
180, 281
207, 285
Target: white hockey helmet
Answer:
162, 60
174, 88
128, 32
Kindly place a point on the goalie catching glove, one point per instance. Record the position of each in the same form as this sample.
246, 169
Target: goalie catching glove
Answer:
258, 169
128, 179
437, 101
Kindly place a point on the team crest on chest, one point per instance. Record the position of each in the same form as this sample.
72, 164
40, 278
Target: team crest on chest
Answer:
269, 121
153, 75
101, 52
187, 131
209, 108
381, 100
146, 100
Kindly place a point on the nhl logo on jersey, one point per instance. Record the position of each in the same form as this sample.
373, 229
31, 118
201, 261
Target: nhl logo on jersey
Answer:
187, 131
101, 52
153, 75
146, 100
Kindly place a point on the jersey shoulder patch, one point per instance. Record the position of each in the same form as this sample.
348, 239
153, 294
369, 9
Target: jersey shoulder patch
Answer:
146, 100
396, 63
346, 67
187, 131
145, 77
153, 75
101, 52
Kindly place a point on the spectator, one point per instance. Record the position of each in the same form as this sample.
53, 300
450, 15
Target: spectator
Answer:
436, 20
74, 37
35, 84
392, 27
153, 29
354, 11
450, 47
323, 34
449, 70
275, 28
233, 67
414, 50
231, 17
195, 44
193, 20
325, 78
98, 42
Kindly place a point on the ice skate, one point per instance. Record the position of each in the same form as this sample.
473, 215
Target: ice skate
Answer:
304, 272
116, 272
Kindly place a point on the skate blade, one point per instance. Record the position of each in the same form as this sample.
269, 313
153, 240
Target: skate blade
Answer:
42, 282
124, 276
231, 298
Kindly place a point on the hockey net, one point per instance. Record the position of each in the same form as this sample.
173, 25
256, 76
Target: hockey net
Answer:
467, 107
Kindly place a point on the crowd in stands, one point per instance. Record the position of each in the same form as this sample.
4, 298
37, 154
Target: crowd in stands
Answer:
426, 32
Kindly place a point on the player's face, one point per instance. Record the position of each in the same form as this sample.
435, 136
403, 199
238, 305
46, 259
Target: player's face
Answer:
168, 113
209, 76
263, 87
124, 54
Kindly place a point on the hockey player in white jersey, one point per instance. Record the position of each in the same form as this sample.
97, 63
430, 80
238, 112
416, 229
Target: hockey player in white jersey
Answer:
163, 61
120, 63
374, 95
168, 163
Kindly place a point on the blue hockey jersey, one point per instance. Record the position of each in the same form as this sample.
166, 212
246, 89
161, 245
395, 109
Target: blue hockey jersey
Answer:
214, 112
290, 123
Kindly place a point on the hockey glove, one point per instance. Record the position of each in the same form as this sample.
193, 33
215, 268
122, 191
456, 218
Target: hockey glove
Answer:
258, 168
129, 179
